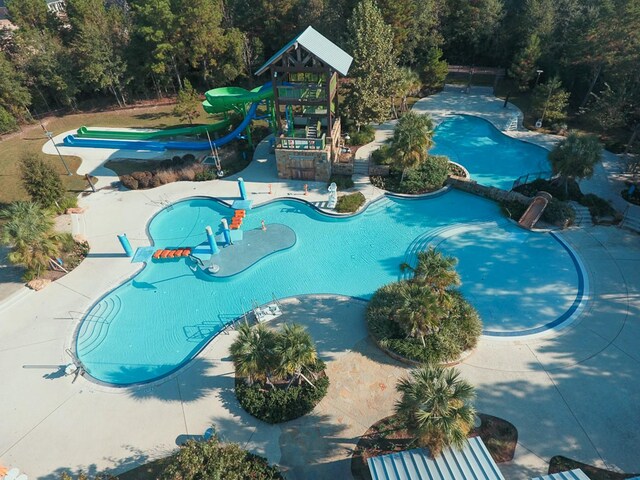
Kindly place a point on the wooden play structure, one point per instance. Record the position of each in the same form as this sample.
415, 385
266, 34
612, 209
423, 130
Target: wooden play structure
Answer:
304, 78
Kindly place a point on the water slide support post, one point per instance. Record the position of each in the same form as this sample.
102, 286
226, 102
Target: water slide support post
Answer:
212, 241
243, 189
226, 232
124, 241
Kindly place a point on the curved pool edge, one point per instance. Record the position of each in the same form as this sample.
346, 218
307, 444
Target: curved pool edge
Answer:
568, 317
185, 365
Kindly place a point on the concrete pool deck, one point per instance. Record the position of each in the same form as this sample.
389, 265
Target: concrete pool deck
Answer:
574, 392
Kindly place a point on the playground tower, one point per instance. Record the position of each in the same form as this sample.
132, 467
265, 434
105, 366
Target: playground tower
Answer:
304, 76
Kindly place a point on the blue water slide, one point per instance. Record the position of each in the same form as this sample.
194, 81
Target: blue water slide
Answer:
74, 141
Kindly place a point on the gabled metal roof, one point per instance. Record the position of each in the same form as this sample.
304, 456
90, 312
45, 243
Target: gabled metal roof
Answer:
473, 462
320, 46
576, 474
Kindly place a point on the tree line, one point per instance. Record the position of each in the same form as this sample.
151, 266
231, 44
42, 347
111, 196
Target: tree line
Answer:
147, 48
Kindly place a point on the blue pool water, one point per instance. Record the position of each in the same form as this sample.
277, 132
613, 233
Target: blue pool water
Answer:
491, 157
520, 282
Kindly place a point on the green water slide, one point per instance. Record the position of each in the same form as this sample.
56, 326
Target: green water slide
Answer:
87, 132
225, 99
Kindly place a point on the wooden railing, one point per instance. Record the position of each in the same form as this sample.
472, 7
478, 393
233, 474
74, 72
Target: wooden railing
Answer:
292, 143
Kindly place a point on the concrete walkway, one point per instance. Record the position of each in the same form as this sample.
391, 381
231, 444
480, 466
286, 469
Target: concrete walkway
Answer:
574, 392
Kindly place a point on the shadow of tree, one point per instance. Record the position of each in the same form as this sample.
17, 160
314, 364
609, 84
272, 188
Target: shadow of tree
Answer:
194, 381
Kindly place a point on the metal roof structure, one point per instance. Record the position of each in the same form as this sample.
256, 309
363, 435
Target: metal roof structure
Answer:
472, 462
576, 474
320, 46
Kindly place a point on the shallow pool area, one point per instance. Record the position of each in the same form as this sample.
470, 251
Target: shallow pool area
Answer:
491, 157
161, 318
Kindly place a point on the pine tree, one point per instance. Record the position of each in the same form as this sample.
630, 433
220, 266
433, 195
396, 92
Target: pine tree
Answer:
523, 68
188, 104
374, 66
41, 181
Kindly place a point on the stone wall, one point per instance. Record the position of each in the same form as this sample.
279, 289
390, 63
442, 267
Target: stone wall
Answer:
492, 193
313, 165
342, 168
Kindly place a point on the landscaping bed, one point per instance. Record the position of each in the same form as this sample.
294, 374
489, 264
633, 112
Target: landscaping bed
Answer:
428, 177
388, 436
350, 203
598, 207
278, 403
559, 464
458, 332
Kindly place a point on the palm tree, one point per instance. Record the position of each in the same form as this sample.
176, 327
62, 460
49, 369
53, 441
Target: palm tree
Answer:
435, 271
412, 138
29, 232
435, 406
575, 157
419, 313
294, 350
407, 83
252, 352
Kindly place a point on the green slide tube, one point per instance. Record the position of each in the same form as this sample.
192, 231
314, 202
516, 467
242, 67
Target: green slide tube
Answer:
87, 132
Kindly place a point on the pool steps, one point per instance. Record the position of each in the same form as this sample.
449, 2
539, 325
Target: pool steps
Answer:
95, 327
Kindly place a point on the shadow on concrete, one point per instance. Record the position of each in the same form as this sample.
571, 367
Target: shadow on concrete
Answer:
195, 381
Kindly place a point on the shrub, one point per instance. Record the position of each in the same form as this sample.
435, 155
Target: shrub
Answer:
276, 405
598, 207
144, 179
41, 181
343, 182
559, 213
367, 134
215, 460
205, 175
7, 121
555, 188
187, 174
68, 201
382, 156
72, 251
166, 176
430, 175
459, 331
129, 182
513, 209
350, 203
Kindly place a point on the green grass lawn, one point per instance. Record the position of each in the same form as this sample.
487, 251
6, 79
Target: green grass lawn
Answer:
31, 140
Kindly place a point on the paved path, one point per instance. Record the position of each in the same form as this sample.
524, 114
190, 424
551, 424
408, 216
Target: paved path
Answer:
574, 392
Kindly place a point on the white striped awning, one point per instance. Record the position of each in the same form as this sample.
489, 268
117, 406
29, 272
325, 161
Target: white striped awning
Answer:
576, 474
472, 462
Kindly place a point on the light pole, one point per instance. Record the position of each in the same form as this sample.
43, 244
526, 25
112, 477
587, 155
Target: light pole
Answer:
50, 137
544, 111
538, 71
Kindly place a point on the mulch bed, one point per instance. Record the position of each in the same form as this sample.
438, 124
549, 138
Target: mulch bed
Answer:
559, 464
387, 436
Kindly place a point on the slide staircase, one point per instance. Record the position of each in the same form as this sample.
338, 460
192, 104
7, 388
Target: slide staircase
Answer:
535, 210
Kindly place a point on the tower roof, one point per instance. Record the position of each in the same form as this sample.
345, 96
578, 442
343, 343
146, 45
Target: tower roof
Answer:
320, 46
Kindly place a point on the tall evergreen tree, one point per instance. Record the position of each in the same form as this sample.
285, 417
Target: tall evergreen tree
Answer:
99, 40
524, 66
155, 43
14, 95
374, 65
188, 105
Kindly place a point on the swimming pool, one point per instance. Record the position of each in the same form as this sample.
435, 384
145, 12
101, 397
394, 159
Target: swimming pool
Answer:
161, 318
491, 157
